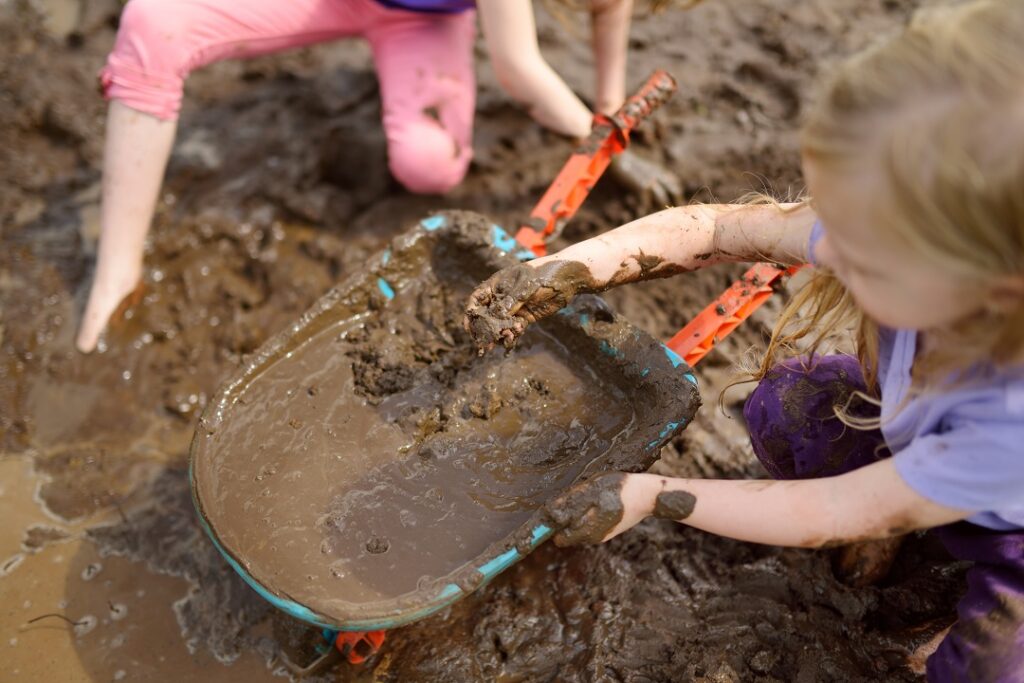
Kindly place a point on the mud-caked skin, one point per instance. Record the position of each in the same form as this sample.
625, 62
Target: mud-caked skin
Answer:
589, 511
677, 505
500, 308
503, 305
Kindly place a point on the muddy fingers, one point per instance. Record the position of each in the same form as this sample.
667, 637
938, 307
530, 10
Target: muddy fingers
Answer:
501, 308
588, 512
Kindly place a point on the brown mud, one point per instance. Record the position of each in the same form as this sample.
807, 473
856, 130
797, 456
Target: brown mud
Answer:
585, 514
503, 305
675, 505
368, 458
278, 190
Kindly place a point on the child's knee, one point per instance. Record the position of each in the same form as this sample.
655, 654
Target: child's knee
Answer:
986, 648
771, 445
797, 389
794, 429
425, 158
773, 400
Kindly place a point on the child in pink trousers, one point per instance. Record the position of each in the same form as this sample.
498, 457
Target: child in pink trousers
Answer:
423, 52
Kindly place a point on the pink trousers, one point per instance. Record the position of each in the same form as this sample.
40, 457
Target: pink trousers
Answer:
424, 65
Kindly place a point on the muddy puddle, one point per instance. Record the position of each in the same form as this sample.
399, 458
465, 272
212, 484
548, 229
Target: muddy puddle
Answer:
278, 191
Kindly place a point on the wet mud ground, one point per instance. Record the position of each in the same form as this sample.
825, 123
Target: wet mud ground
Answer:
278, 189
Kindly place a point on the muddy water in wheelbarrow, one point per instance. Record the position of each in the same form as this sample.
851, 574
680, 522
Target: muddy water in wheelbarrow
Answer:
366, 468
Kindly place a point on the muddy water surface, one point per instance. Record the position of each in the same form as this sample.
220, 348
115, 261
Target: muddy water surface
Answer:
345, 504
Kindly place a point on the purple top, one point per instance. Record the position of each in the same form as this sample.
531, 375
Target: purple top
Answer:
434, 6
963, 447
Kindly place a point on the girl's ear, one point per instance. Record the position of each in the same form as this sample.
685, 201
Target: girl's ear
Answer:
1006, 294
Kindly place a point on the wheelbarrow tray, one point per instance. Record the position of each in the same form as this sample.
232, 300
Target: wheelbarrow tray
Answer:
363, 469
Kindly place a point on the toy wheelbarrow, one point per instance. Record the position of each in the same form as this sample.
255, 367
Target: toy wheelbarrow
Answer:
364, 469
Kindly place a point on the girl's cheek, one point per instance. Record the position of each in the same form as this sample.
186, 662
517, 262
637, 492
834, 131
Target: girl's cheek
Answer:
823, 254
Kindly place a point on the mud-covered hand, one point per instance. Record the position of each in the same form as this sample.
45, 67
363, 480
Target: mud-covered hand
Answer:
503, 305
652, 181
600, 508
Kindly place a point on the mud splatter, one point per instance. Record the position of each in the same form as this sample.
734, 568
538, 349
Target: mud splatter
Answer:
675, 505
40, 536
586, 514
500, 309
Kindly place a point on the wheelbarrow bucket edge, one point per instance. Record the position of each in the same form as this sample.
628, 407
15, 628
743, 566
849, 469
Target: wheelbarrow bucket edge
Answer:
499, 556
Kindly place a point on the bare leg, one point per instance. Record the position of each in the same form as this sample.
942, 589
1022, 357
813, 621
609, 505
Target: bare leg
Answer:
134, 159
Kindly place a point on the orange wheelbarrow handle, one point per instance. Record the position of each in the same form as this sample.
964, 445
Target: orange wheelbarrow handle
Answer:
728, 311
608, 137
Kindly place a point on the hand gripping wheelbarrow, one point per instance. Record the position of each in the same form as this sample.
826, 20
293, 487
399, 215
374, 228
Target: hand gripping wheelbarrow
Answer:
364, 470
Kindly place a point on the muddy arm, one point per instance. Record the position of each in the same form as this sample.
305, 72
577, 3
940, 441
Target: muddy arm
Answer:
672, 241
656, 185
687, 238
868, 503
510, 33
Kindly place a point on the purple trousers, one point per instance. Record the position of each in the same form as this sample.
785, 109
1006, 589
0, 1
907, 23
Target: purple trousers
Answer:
796, 435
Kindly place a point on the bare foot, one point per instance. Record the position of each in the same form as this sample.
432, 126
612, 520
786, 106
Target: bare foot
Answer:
106, 303
865, 563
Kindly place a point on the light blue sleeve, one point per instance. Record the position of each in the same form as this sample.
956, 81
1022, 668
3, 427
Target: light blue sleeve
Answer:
812, 242
976, 460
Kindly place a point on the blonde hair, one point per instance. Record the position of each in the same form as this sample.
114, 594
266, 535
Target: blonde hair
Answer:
938, 113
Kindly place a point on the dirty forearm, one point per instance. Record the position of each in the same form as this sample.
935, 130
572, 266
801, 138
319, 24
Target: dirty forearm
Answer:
610, 21
686, 238
871, 502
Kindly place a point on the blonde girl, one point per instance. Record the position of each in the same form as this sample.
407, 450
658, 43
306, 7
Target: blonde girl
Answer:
914, 155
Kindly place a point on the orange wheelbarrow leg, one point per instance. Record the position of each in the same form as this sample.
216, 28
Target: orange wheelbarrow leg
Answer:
358, 646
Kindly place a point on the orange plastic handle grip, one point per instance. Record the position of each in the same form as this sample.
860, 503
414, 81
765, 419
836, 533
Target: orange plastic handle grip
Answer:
608, 137
728, 311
